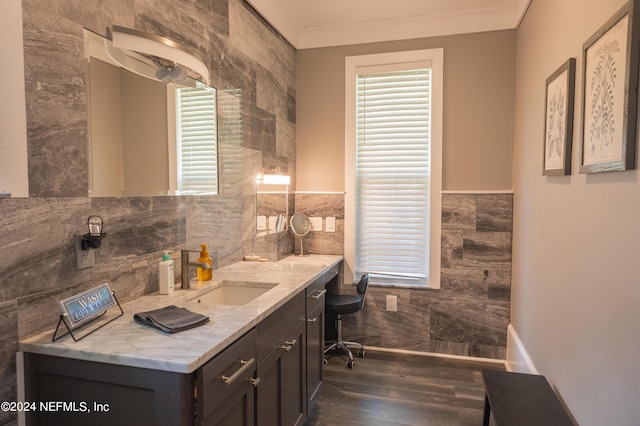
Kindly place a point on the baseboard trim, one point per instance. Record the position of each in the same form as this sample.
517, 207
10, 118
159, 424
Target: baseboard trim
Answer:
489, 362
479, 192
518, 358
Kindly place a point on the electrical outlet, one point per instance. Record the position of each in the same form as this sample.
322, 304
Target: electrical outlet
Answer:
84, 258
316, 224
392, 303
330, 224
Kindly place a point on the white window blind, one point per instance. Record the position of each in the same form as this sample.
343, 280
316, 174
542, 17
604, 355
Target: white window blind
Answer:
197, 140
393, 116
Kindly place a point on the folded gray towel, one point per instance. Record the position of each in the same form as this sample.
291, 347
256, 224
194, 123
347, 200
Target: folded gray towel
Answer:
171, 319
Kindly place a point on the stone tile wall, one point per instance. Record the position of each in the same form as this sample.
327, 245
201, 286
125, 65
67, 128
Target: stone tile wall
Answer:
253, 69
469, 314
322, 205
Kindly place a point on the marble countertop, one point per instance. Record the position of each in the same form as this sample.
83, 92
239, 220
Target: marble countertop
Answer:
126, 342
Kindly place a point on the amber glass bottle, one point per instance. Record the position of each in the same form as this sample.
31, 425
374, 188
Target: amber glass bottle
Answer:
205, 274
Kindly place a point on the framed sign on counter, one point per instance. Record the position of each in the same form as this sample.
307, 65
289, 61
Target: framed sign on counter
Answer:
85, 307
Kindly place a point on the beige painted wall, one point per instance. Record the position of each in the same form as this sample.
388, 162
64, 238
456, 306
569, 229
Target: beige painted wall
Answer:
144, 135
478, 110
13, 119
106, 177
575, 286
128, 123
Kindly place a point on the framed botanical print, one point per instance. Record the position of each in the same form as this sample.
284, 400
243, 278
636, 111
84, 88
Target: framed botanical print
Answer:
558, 121
609, 95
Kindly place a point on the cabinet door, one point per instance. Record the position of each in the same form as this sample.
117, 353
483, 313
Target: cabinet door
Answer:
281, 396
225, 393
237, 408
126, 395
315, 355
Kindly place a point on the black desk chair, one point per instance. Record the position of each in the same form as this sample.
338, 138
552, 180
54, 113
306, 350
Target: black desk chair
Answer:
340, 304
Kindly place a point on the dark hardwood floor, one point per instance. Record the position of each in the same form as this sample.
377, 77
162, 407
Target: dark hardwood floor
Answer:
391, 389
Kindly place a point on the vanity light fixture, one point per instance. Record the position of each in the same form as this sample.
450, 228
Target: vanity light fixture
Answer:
179, 57
170, 71
274, 179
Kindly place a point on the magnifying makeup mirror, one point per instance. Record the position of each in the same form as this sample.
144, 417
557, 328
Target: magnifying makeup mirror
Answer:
300, 225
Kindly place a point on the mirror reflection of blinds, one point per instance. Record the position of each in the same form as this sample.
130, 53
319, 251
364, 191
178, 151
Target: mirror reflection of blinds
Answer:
392, 175
197, 140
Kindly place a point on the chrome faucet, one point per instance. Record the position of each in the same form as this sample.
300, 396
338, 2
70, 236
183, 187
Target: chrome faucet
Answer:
186, 264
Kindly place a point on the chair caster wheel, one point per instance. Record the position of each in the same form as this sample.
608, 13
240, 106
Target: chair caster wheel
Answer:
350, 363
361, 353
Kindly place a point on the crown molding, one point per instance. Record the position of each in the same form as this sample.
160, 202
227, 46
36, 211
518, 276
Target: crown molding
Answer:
505, 18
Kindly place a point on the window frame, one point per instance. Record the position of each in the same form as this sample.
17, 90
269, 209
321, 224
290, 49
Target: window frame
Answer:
352, 63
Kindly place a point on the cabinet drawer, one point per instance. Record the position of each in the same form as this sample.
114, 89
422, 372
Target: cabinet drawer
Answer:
228, 371
315, 295
273, 329
316, 290
331, 274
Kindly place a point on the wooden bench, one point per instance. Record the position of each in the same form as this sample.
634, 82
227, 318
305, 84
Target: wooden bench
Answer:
521, 399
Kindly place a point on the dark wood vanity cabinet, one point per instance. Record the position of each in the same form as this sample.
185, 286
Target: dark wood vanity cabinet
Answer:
270, 376
315, 328
281, 392
315, 356
291, 356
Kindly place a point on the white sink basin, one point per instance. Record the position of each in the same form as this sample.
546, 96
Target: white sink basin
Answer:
230, 292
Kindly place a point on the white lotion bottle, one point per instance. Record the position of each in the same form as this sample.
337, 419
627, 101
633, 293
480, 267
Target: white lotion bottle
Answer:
166, 274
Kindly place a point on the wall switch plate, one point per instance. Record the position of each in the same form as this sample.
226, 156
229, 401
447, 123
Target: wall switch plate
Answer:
330, 224
84, 258
392, 303
316, 224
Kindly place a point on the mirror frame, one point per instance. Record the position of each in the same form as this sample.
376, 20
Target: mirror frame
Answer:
306, 223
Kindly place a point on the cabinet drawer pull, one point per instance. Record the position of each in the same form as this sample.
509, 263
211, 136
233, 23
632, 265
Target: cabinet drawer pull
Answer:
319, 295
312, 319
287, 345
254, 382
228, 380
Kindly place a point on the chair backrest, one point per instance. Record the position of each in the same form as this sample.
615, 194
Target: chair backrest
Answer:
362, 285
361, 288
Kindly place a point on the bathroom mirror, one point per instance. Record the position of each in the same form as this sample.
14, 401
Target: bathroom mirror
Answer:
152, 125
271, 208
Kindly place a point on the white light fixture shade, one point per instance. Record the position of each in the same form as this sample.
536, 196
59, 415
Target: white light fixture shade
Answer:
274, 179
148, 44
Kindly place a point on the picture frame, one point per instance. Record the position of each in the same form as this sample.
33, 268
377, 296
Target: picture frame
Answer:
558, 120
609, 95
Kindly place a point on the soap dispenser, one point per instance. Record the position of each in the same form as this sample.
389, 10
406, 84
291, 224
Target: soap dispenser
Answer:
205, 274
166, 274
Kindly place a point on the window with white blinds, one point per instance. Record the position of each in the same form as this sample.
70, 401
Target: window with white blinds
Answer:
196, 140
392, 175
394, 182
